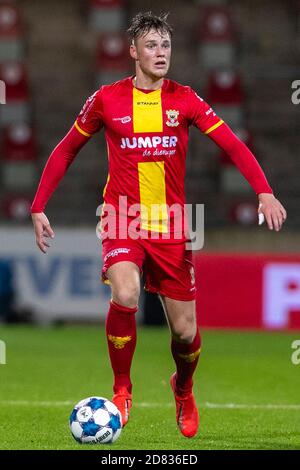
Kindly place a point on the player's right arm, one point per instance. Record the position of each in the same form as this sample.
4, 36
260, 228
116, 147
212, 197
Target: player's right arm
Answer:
88, 122
55, 168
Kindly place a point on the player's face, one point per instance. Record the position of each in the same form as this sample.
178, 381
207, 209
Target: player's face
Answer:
152, 53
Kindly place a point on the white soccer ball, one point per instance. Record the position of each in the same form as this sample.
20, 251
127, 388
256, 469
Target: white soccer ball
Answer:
95, 420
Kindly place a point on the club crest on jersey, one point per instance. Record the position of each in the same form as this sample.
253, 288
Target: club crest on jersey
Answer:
172, 118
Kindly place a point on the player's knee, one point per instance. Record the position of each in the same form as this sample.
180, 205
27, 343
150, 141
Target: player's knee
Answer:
127, 296
185, 337
185, 333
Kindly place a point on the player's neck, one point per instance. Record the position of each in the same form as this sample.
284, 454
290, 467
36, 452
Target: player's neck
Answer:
145, 82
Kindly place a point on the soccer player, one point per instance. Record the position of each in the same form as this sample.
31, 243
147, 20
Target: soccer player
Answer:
146, 119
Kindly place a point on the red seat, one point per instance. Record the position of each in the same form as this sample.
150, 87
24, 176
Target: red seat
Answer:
19, 143
11, 33
216, 24
112, 52
112, 59
10, 21
17, 107
216, 37
225, 87
16, 207
244, 212
15, 78
226, 95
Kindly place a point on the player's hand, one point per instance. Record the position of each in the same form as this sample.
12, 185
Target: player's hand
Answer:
271, 210
42, 230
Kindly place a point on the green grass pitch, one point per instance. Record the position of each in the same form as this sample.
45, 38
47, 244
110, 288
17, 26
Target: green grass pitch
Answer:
246, 387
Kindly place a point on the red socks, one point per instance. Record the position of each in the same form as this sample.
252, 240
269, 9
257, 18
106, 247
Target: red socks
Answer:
186, 358
121, 340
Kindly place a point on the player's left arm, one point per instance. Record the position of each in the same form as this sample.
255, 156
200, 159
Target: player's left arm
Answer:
202, 116
271, 209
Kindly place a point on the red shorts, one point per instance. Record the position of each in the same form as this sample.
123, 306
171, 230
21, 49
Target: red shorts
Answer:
168, 266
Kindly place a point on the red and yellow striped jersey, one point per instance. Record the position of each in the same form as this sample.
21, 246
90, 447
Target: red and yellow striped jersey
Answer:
147, 139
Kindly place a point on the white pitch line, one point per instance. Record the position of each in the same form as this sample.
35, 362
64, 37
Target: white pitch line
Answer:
35, 403
241, 406
208, 405
227, 406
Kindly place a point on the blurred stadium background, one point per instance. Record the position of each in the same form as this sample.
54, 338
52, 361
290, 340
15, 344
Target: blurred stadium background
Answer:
242, 57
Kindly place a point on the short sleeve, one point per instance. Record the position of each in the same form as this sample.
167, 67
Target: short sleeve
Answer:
201, 115
90, 118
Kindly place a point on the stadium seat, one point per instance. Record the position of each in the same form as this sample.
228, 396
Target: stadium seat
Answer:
245, 136
16, 207
11, 33
230, 178
17, 107
18, 175
19, 143
225, 87
19, 156
112, 60
226, 95
244, 212
107, 15
216, 37
232, 181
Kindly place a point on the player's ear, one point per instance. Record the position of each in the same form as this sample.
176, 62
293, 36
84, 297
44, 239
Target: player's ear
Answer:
133, 52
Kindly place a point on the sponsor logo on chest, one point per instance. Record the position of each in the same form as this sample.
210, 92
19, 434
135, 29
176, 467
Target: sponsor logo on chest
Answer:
165, 141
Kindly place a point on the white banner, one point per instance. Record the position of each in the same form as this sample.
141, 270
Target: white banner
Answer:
65, 282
